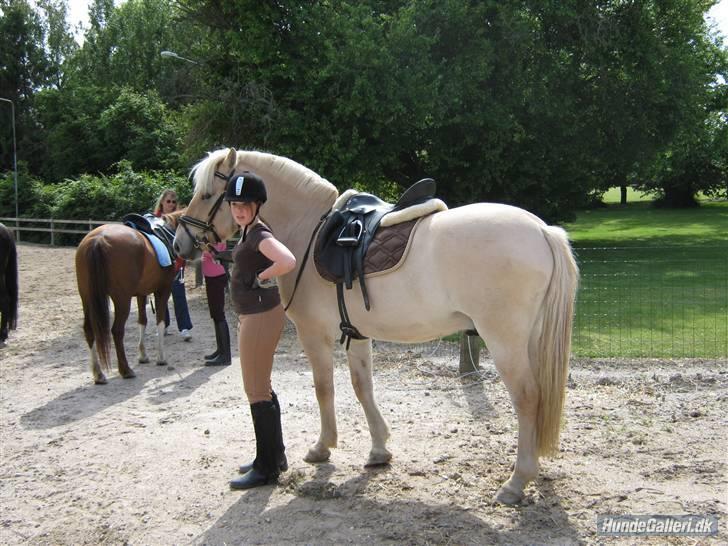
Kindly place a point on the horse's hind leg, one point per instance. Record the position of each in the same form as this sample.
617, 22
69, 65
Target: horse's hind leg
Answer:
360, 368
319, 349
121, 313
142, 321
513, 366
98, 375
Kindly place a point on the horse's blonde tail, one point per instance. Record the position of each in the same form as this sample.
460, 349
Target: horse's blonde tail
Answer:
554, 343
97, 306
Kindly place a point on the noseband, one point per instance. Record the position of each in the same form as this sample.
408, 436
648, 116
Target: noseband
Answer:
184, 221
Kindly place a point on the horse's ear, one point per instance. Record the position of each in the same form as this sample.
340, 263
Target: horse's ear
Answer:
231, 159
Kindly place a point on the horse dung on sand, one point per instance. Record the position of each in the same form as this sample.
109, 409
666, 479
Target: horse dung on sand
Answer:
490, 267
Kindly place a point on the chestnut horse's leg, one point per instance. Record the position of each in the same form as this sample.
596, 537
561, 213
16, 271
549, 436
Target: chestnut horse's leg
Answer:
360, 369
98, 375
121, 313
142, 321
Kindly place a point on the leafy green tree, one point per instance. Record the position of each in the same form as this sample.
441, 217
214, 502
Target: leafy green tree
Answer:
25, 68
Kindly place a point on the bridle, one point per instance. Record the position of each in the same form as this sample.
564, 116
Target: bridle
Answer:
204, 243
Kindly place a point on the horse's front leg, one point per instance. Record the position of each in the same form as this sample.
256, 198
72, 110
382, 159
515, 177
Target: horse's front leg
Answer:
3, 328
121, 313
360, 368
142, 321
319, 350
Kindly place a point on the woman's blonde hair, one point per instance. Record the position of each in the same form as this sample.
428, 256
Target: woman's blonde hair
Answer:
158, 207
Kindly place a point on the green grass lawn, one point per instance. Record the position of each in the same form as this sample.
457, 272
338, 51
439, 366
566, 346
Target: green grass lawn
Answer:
654, 281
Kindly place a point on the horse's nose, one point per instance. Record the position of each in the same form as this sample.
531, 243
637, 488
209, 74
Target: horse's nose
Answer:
176, 247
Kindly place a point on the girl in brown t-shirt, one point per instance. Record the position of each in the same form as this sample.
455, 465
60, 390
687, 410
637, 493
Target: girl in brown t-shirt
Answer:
257, 260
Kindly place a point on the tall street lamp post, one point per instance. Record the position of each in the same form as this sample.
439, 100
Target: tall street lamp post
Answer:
173, 55
15, 168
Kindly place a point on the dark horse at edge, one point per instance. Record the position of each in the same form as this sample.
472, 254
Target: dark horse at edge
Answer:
118, 262
8, 284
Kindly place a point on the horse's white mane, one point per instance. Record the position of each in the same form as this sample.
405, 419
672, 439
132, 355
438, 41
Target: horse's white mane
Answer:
271, 168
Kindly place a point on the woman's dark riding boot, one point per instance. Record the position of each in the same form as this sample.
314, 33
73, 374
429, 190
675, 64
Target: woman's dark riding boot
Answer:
265, 467
222, 335
282, 460
213, 356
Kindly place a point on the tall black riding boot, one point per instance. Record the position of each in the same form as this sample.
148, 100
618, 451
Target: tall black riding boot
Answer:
213, 356
265, 467
222, 336
282, 460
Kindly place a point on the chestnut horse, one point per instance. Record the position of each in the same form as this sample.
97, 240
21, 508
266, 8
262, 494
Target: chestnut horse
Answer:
8, 283
492, 267
119, 262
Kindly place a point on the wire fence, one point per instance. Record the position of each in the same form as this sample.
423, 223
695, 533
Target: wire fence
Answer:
652, 302
636, 302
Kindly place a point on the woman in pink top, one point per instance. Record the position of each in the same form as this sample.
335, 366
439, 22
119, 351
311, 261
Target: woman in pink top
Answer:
215, 282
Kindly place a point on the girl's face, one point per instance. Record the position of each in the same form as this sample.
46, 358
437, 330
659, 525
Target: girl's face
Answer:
169, 203
243, 212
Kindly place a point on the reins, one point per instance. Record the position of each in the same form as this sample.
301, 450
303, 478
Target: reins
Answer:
305, 257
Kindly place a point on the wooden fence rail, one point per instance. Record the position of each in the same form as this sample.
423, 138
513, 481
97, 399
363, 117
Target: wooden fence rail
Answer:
52, 226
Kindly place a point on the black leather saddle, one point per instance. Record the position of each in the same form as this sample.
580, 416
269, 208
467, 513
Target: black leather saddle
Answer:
148, 223
345, 236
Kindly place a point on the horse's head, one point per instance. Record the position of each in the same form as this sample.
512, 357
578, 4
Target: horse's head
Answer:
207, 218
172, 219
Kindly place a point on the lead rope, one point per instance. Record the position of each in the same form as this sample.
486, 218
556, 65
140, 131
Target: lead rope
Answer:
305, 258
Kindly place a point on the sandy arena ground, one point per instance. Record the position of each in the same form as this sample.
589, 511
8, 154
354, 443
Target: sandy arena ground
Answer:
146, 461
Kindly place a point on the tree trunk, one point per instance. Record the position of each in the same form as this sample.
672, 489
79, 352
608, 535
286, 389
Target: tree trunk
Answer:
622, 195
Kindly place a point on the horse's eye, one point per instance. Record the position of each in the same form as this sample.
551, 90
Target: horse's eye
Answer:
206, 196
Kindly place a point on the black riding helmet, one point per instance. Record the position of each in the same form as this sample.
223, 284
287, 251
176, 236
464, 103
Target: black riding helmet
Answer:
246, 187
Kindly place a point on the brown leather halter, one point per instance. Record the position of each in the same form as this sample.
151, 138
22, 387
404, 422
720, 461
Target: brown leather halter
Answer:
203, 242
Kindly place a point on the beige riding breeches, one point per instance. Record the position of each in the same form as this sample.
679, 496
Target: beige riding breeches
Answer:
258, 336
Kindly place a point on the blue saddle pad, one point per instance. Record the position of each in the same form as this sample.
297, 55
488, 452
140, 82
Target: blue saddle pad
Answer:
165, 260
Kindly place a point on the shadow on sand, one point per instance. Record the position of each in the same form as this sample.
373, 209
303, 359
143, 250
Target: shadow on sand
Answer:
89, 399
323, 512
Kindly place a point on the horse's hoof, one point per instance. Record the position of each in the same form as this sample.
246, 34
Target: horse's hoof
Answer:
144, 360
509, 497
101, 380
317, 455
129, 374
161, 362
378, 458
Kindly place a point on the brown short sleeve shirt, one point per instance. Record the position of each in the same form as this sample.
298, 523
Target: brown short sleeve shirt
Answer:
248, 261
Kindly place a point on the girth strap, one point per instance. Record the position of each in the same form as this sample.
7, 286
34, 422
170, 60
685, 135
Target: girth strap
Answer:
348, 330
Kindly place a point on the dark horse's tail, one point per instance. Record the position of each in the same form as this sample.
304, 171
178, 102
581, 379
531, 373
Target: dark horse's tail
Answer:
11, 284
97, 307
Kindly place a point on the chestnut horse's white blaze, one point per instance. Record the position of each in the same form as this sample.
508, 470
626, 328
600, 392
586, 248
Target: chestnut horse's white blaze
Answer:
492, 267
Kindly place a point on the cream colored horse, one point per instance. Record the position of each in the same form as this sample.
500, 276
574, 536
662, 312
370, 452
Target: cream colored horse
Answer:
495, 268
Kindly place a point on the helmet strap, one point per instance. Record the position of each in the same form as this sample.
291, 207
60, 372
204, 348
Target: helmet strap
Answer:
255, 217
